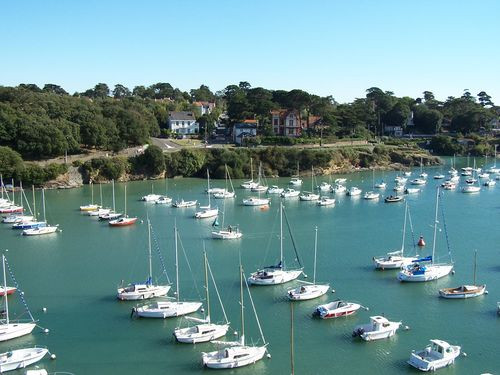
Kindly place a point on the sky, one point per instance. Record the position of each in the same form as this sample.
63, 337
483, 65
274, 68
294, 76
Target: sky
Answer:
338, 48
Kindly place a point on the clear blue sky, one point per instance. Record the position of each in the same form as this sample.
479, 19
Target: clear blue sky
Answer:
335, 47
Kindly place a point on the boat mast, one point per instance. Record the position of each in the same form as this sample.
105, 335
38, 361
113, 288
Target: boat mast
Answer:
229, 177
149, 249
251, 172
281, 233
435, 225
13, 191
208, 188
1, 182
43, 205
5, 291
315, 251
21, 190
176, 264
34, 202
113, 184
312, 179
100, 192
404, 230
291, 340
475, 266
125, 200
206, 283
92, 192
242, 338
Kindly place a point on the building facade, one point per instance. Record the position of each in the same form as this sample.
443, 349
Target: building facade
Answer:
183, 123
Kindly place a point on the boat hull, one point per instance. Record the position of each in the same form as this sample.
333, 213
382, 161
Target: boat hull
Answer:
247, 356
146, 292
454, 293
226, 235
307, 292
13, 330
273, 277
20, 358
191, 335
168, 309
433, 272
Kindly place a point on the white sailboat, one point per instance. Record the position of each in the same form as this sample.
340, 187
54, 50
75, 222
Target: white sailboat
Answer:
309, 195
231, 232
168, 308
206, 330
494, 168
396, 259
423, 174
372, 195
10, 330
237, 354
111, 215
226, 193
151, 197
261, 185
207, 211
16, 218
40, 230
249, 184
277, 274
256, 201
100, 211
136, 291
290, 193
308, 290
425, 269
91, 206
125, 220
295, 180
471, 187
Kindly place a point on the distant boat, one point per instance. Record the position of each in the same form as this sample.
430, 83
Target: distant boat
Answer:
112, 214
42, 229
354, 191
309, 195
124, 220
91, 206
394, 199
207, 211
309, 291
151, 197
251, 183
136, 291
296, 181
183, 204
290, 193
326, 201
231, 232
336, 309
21, 358
275, 190
226, 193
378, 328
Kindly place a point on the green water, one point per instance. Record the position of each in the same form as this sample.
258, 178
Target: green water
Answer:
74, 274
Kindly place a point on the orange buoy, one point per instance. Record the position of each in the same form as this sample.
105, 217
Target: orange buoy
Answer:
421, 241
264, 208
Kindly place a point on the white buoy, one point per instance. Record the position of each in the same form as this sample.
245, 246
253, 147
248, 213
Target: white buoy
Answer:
202, 310
44, 309
333, 290
46, 330
485, 292
22, 293
407, 328
53, 356
464, 354
305, 276
235, 333
453, 272
268, 355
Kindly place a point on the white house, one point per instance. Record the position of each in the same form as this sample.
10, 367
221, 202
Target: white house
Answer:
183, 123
244, 130
204, 107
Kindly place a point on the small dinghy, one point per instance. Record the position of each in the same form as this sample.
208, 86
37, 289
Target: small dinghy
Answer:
336, 309
378, 328
393, 199
183, 204
326, 201
437, 355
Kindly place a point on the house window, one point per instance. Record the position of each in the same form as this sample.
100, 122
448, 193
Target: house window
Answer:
290, 122
275, 121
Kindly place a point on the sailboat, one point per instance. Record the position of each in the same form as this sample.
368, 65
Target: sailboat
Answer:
256, 201
420, 270
232, 232
277, 274
164, 199
295, 180
101, 211
30, 222
16, 218
207, 211
206, 330
237, 354
91, 206
8, 329
494, 168
261, 185
168, 308
465, 291
396, 259
422, 173
43, 229
371, 195
151, 197
470, 187
226, 193
249, 184
112, 215
124, 220
309, 195
147, 290
309, 291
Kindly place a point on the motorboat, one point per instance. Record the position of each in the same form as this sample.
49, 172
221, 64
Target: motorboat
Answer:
324, 186
394, 199
213, 190
412, 191
163, 200
290, 193
336, 309
439, 176
339, 189
354, 191
183, 204
308, 196
99, 212
206, 213
151, 198
226, 195
275, 190
418, 181
489, 183
110, 215
399, 188
378, 328
381, 185
483, 175
16, 218
471, 189
259, 188
340, 181
326, 201
370, 195
90, 207
295, 181
471, 181
21, 358
448, 185
437, 355
232, 232
255, 201
463, 291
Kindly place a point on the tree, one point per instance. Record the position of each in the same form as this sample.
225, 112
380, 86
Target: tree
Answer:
153, 160
484, 99
397, 115
11, 163
121, 92
101, 90
54, 89
427, 121
202, 94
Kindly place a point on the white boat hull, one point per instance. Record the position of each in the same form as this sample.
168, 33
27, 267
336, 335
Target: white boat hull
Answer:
40, 231
247, 355
20, 358
256, 202
392, 262
454, 293
13, 330
200, 333
139, 292
432, 272
309, 197
166, 309
206, 214
422, 362
307, 292
225, 195
273, 277
226, 235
